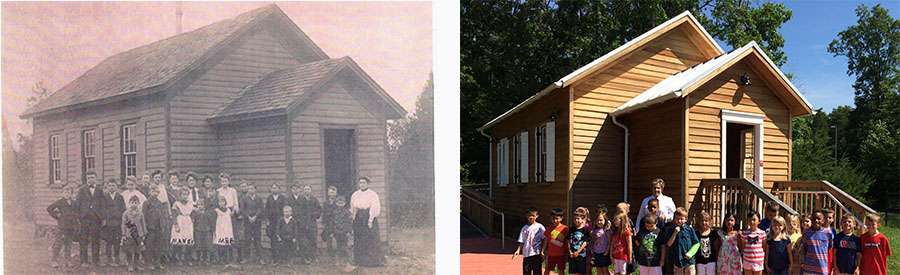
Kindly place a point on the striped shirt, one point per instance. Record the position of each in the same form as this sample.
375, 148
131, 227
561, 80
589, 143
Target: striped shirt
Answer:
817, 244
753, 246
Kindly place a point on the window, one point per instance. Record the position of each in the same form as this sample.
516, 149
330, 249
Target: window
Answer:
545, 139
517, 158
55, 169
521, 152
129, 151
503, 162
88, 162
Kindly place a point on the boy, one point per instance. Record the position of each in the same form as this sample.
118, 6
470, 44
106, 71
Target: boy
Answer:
875, 248
847, 248
651, 248
133, 232
555, 246
144, 185
682, 243
88, 200
156, 218
239, 221
328, 207
653, 209
274, 206
530, 238
826, 223
112, 206
65, 212
816, 243
772, 210
578, 238
285, 240
252, 207
307, 233
342, 224
204, 220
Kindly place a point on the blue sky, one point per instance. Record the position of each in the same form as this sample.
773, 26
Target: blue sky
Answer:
821, 76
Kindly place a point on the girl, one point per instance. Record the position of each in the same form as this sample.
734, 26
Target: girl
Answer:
203, 224
728, 261
183, 229
599, 242
751, 243
778, 249
133, 231
794, 233
224, 236
706, 258
587, 224
621, 252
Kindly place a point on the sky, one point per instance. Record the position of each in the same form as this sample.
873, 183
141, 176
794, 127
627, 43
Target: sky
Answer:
819, 75
55, 42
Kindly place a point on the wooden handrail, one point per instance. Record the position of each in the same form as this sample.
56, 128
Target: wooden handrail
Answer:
751, 186
736, 196
845, 198
473, 205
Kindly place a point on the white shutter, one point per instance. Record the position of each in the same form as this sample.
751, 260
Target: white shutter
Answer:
551, 151
523, 150
504, 162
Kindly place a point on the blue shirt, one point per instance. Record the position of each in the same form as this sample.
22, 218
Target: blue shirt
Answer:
682, 244
779, 259
764, 225
817, 244
846, 247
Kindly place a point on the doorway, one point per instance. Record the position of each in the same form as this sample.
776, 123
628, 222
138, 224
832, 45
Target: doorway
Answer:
742, 144
339, 153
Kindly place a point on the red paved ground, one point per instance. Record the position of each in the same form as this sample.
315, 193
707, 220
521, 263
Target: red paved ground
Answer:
484, 256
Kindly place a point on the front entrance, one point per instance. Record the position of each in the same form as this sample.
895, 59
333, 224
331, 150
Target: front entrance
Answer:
340, 160
742, 145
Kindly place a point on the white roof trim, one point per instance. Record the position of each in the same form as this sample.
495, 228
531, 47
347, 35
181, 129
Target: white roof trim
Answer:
565, 81
673, 86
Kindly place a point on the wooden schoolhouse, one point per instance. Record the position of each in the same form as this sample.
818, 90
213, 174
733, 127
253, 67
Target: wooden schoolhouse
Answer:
252, 96
670, 104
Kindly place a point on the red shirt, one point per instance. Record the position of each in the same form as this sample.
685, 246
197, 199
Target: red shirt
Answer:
875, 250
620, 245
556, 240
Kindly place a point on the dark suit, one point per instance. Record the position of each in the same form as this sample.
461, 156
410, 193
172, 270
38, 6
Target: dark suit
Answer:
112, 207
91, 222
306, 239
251, 207
285, 241
273, 211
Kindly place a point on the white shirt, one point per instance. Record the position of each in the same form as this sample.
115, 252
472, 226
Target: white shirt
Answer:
365, 200
530, 237
127, 194
163, 196
666, 207
231, 199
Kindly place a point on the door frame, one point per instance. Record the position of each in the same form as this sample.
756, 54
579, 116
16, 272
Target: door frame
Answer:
755, 120
354, 152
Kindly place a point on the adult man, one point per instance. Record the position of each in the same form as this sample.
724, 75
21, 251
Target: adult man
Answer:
88, 199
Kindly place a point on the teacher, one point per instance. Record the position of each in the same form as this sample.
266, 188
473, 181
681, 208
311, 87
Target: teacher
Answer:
365, 207
666, 204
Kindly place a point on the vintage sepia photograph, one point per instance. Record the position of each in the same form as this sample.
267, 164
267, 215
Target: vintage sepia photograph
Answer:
210, 137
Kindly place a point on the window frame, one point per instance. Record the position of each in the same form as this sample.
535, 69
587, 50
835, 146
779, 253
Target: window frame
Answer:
541, 151
88, 153
129, 157
517, 159
55, 168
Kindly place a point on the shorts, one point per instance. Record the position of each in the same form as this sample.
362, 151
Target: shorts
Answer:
755, 266
556, 261
706, 269
600, 260
650, 270
619, 266
578, 265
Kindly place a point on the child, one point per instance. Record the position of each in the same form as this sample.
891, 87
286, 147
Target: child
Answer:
66, 214
794, 232
306, 241
829, 219
847, 248
708, 254
771, 211
196, 193
653, 209
252, 207
144, 185
578, 239
275, 203
682, 243
530, 238
156, 216
112, 205
132, 191
203, 225
228, 194
327, 225
728, 262
778, 249
651, 248
752, 241
285, 237
875, 248
133, 231
600, 235
183, 228
342, 222
555, 246
223, 237
621, 240
238, 223
817, 241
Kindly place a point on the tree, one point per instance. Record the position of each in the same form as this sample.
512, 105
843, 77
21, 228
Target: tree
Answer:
412, 162
813, 157
509, 50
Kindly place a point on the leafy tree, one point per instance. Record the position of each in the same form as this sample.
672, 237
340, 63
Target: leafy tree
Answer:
412, 163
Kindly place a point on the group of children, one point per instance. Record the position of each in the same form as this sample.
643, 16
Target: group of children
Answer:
160, 224
804, 244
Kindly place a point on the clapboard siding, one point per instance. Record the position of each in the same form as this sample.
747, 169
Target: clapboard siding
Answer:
655, 150
337, 107
106, 123
599, 154
723, 93
260, 167
193, 139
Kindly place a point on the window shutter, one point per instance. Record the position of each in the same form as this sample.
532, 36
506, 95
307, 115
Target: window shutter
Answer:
504, 162
551, 151
523, 150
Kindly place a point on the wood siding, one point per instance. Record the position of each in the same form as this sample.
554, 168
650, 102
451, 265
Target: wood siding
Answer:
193, 144
253, 150
147, 113
704, 120
513, 198
336, 107
598, 143
655, 151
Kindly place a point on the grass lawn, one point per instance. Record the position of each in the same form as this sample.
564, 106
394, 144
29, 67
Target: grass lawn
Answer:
890, 227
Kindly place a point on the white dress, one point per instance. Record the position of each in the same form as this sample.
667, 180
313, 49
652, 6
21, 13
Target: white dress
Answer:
224, 234
184, 236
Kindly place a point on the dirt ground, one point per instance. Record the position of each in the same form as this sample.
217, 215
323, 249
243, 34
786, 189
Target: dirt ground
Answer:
411, 251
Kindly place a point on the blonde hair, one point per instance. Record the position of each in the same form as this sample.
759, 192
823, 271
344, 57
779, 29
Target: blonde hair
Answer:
624, 225
874, 218
779, 221
622, 206
790, 224
658, 181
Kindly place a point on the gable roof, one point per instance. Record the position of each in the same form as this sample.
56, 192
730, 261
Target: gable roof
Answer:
682, 83
153, 67
279, 92
683, 18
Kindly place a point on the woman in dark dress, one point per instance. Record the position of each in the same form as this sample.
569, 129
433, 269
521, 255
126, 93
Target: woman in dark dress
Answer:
365, 208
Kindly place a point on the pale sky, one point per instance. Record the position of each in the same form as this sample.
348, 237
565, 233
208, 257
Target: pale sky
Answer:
55, 42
